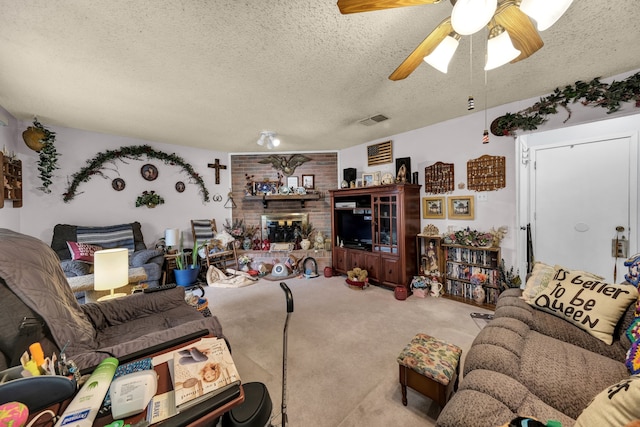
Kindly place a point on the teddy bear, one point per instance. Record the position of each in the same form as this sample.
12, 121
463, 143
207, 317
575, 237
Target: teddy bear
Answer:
357, 275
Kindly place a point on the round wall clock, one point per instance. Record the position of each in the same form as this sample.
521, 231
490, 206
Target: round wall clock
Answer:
149, 172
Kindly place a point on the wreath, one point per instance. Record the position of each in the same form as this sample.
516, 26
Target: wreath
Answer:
134, 152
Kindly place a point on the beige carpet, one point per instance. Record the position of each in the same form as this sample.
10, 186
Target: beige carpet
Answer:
343, 344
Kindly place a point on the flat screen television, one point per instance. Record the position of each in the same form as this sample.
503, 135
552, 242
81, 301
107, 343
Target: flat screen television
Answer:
354, 228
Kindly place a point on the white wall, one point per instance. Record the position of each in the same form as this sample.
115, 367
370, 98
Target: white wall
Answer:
97, 203
455, 141
459, 140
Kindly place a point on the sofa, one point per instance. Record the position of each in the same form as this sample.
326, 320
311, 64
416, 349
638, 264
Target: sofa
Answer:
78, 266
530, 361
33, 284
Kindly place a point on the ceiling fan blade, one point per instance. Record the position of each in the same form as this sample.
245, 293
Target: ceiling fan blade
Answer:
523, 33
355, 6
425, 48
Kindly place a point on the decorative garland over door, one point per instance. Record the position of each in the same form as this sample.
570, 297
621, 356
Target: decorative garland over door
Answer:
134, 152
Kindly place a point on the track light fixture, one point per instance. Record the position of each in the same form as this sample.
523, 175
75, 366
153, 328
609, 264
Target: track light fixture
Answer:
269, 139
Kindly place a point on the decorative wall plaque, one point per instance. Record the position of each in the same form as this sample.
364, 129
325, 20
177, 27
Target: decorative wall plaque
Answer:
438, 178
486, 173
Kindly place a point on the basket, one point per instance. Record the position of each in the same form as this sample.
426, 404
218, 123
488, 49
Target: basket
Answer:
354, 284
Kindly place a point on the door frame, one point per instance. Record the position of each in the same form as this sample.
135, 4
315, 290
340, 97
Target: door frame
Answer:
526, 147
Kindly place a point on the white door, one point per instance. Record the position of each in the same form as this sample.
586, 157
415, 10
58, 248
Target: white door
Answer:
580, 193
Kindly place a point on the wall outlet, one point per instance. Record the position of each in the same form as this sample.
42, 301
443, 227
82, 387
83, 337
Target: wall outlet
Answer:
482, 197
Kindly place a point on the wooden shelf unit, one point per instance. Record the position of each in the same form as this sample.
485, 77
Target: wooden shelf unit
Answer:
461, 262
394, 212
11, 178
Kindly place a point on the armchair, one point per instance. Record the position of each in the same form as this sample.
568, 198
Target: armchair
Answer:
218, 252
34, 285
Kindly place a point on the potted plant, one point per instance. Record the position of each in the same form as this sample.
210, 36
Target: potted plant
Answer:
244, 261
187, 274
305, 233
149, 199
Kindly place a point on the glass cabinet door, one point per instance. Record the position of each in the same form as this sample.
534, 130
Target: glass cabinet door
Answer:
385, 227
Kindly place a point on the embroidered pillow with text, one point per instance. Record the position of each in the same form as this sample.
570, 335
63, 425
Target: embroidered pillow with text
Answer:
588, 303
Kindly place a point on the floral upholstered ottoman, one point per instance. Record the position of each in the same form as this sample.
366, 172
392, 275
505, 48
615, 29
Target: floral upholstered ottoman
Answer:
431, 367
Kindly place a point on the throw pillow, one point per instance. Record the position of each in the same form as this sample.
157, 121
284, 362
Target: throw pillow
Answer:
224, 237
540, 276
82, 251
613, 407
588, 303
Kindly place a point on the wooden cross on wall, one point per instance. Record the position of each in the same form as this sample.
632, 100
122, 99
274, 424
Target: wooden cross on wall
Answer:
217, 166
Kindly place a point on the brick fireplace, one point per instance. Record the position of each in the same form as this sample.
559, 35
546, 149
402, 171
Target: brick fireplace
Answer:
246, 170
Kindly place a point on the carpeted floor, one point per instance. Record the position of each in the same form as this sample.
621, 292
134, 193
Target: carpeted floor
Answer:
342, 350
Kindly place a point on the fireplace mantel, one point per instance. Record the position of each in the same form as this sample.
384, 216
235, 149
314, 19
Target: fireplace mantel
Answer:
266, 198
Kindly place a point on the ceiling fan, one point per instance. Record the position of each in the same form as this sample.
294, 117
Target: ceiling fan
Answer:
512, 34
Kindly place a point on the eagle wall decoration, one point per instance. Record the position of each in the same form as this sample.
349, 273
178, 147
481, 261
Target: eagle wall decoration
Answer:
284, 165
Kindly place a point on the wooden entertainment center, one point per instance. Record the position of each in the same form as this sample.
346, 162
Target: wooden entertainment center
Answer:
374, 228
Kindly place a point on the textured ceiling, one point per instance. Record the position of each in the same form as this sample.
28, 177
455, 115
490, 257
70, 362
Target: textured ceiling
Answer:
214, 73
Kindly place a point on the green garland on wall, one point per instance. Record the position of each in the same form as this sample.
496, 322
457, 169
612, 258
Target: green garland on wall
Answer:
593, 93
135, 152
47, 157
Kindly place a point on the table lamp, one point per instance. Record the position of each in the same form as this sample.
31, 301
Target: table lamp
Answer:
171, 237
111, 271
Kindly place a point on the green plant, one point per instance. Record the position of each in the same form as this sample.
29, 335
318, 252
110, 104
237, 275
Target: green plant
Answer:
181, 260
135, 152
47, 157
593, 93
509, 278
149, 198
306, 230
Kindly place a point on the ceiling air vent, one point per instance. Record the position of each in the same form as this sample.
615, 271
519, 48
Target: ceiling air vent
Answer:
370, 121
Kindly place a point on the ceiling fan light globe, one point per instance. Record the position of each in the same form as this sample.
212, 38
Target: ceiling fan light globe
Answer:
545, 12
470, 16
500, 50
442, 54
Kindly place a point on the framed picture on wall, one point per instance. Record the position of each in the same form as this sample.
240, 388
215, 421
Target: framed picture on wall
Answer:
403, 168
461, 207
149, 172
308, 181
292, 181
433, 207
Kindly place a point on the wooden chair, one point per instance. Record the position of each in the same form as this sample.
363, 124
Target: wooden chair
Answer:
204, 230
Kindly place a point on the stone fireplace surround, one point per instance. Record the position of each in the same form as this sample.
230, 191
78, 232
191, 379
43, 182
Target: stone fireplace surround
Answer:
245, 169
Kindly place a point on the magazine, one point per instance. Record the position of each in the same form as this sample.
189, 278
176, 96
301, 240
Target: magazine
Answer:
202, 370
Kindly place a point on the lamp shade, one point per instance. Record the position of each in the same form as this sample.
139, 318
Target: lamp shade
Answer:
470, 16
545, 12
171, 236
111, 269
500, 49
442, 54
